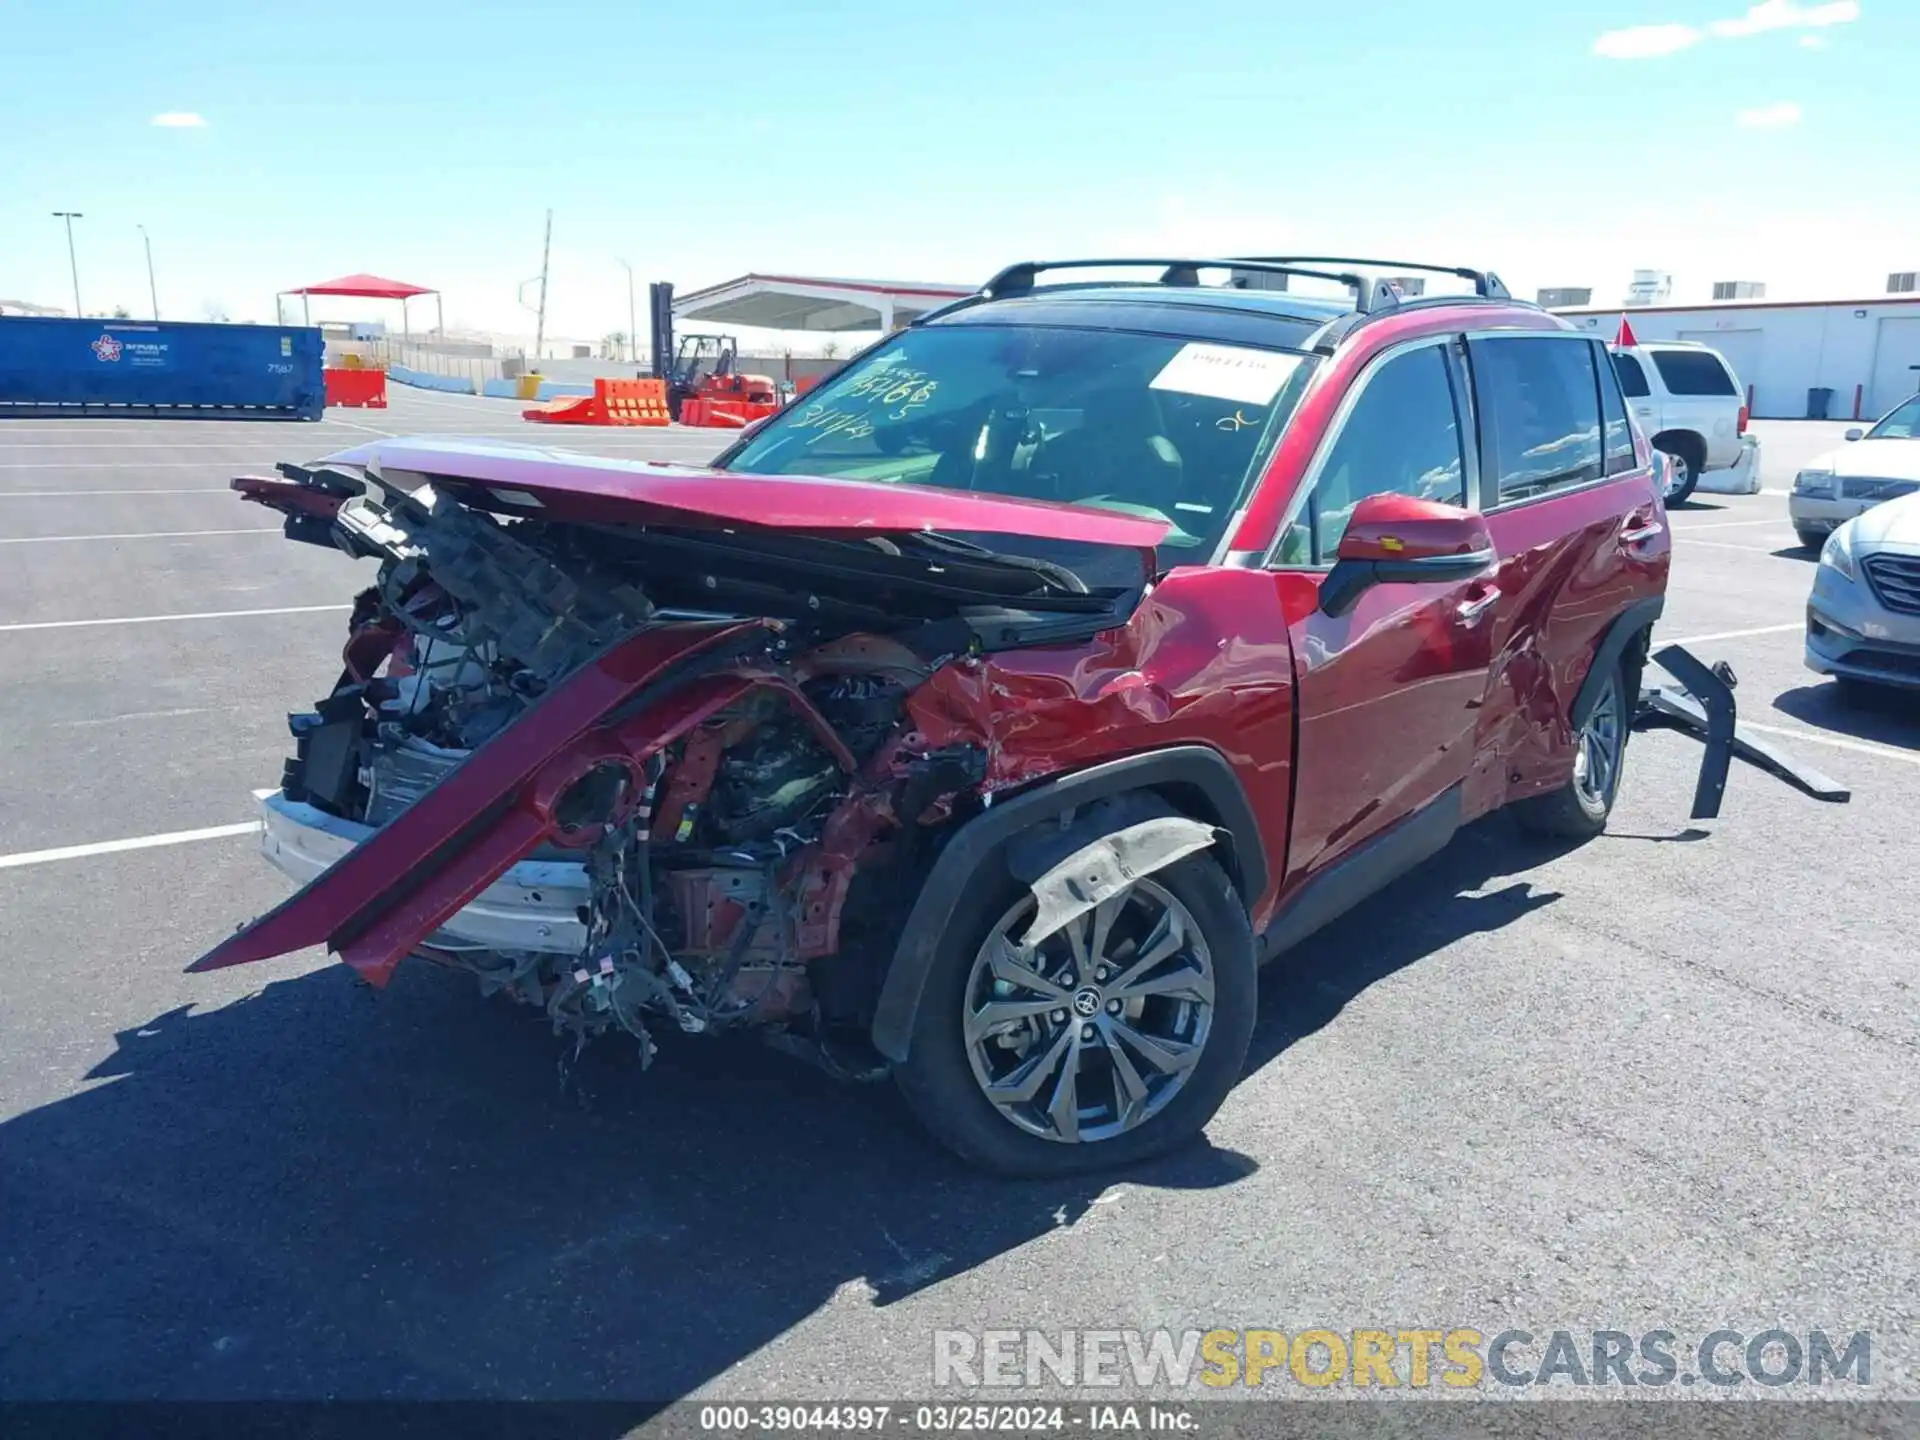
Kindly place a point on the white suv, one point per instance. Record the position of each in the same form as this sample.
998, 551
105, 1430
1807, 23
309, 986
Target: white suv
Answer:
1690, 404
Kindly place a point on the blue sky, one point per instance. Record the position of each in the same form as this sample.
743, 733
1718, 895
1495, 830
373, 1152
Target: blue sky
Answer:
1559, 143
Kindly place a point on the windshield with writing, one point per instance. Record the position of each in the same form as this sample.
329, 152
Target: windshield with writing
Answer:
1146, 424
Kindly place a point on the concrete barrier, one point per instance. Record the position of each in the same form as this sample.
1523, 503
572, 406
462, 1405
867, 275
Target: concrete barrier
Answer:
1743, 478
420, 379
501, 389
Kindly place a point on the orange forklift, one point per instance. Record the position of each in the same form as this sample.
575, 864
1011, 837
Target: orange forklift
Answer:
703, 385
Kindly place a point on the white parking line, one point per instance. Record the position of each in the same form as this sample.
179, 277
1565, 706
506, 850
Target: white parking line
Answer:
140, 535
160, 619
63, 494
120, 464
1859, 747
1724, 525
1728, 545
1730, 634
114, 847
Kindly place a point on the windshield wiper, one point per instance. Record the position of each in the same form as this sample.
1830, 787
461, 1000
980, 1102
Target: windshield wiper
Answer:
1058, 576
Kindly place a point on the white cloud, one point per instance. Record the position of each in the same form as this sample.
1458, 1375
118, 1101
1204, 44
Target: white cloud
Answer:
1647, 42
179, 120
1644, 42
1786, 15
1770, 117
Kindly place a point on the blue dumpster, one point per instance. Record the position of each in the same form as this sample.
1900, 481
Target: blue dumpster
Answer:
147, 368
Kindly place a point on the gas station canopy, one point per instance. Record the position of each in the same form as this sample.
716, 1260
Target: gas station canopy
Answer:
795, 302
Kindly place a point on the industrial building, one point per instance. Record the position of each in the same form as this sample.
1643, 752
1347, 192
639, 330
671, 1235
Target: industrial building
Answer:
1866, 353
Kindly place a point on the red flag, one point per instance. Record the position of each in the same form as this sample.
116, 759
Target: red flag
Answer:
1625, 337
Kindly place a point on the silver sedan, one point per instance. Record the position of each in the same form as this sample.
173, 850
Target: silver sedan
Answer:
1863, 617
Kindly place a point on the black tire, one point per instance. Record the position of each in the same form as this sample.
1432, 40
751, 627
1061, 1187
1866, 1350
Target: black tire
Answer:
1572, 812
1814, 540
1688, 464
938, 1080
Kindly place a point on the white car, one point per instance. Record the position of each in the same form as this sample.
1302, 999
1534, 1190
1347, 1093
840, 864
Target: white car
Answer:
1875, 466
1688, 402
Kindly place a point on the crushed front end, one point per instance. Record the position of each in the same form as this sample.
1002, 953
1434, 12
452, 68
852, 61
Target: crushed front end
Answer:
630, 765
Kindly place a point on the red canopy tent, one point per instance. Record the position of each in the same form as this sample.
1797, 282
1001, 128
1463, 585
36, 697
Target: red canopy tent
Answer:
370, 287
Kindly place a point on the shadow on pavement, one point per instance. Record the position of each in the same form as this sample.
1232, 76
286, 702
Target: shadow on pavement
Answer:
323, 1190
1307, 987
1883, 715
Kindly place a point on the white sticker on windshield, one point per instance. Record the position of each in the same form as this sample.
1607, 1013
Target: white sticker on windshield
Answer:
1226, 372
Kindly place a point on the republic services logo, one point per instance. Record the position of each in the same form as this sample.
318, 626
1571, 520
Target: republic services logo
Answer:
108, 348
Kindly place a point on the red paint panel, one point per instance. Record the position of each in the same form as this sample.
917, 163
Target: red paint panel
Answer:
1389, 697
1205, 660
1565, 573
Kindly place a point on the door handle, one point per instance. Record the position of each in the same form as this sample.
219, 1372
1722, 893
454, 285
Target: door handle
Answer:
1470, 611
1640, 534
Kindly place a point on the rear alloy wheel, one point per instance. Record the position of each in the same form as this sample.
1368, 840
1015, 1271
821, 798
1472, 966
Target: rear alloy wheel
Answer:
1685, 475
1114, 1039
1579, 809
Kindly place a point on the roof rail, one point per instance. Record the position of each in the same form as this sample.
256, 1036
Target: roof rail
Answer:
1485, 282
1184, 271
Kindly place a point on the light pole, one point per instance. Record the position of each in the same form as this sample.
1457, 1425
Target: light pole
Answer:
70, 216
152, 293
633, 339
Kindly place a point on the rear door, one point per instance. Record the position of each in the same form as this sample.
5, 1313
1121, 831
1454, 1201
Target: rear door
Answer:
1570, 499
1388, 695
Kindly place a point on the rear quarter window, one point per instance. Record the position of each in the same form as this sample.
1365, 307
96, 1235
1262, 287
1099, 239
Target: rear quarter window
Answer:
1694, 372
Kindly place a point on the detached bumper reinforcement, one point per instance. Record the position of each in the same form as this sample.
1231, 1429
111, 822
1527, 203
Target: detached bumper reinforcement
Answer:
1702, 706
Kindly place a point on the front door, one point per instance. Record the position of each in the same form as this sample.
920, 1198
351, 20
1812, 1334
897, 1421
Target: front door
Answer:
1388, 694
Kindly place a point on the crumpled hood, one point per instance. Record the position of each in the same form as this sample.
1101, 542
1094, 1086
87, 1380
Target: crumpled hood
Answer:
663, 493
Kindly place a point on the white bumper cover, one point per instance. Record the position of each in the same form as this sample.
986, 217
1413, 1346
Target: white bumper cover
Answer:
532, 907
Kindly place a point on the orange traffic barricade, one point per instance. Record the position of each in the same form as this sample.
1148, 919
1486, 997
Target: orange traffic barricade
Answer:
613, 402
632, 402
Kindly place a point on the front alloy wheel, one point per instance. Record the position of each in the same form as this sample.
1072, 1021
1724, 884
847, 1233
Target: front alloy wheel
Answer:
1112, 1040
1097, 1028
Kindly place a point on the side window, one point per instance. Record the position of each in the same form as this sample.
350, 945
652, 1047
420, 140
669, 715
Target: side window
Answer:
1694, 372
1633, 380
1402, 436
1540, 407
1619, 437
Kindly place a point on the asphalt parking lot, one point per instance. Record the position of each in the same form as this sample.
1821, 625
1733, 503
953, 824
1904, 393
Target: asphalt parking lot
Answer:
1667, 1080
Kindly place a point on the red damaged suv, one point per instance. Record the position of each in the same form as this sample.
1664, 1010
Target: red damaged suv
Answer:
990, 714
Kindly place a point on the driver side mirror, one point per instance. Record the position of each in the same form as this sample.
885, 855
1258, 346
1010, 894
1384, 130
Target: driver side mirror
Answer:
1397, 539
1855, 433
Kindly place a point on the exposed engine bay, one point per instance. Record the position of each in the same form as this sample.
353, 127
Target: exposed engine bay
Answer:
719, 873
